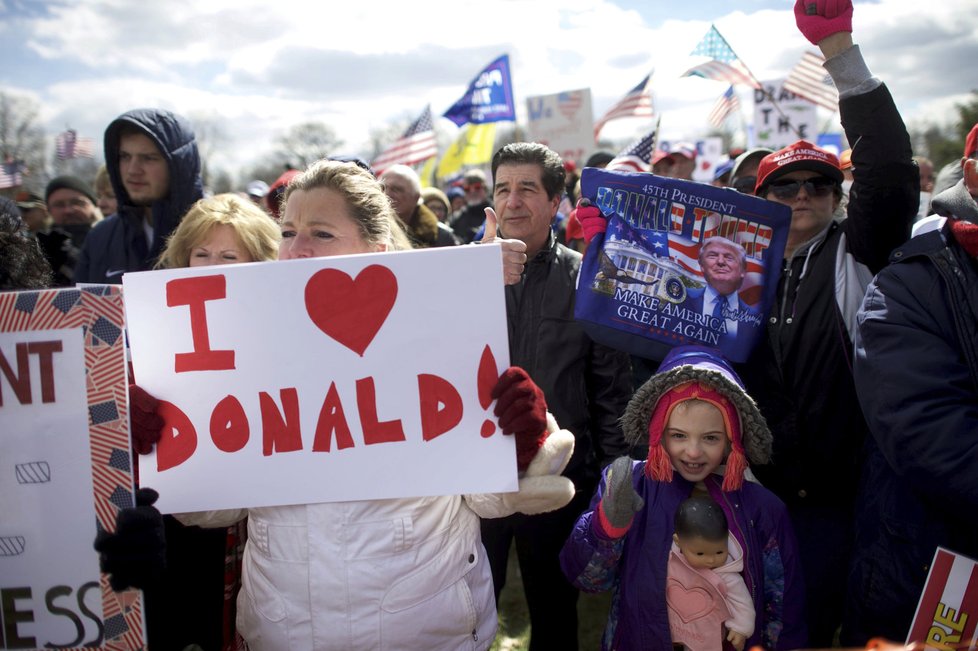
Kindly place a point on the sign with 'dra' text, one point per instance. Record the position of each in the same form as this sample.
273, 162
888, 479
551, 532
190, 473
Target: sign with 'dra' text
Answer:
330, 379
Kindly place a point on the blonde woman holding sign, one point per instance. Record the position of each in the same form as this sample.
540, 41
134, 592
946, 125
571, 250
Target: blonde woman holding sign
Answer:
406, 573
192, 601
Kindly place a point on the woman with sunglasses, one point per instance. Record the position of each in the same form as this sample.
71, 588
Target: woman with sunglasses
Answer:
800, 374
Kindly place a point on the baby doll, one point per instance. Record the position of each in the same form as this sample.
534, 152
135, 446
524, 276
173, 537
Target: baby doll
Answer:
704, 589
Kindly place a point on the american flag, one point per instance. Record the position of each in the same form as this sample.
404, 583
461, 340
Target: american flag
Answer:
69, 145
808, 79
636, 103
725, 105
636, 156
11, 174
416, 145
724, 64
569, 102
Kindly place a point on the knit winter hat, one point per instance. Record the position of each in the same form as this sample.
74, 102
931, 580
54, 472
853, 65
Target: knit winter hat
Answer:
70, 183
695, 372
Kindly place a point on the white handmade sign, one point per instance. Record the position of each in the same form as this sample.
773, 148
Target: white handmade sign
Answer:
329, 379
563, 122
781, 117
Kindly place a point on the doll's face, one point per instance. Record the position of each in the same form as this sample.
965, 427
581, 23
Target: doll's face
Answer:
701, 553
695, 438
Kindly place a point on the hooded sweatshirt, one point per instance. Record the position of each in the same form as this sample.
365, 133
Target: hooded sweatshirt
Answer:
122, 242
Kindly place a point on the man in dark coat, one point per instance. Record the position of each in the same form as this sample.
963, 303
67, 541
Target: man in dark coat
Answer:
403, 187
153, 164
917, 377
586, 385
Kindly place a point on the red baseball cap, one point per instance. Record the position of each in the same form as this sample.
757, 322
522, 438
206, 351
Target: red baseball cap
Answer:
971, 142
802, 155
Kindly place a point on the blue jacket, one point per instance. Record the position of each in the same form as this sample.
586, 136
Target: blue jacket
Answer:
634, 567
917, 376
118, 244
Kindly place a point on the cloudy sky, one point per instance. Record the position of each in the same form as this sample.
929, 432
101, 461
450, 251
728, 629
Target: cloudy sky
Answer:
259, 67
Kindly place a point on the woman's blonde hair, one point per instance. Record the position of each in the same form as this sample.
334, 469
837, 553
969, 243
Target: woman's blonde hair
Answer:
365, 199
102, 179
254, 228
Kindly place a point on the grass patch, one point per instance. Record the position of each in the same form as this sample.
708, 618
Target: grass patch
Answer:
514, 620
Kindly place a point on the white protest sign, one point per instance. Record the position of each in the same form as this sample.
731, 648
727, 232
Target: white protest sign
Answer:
776, 129
330, 379
947, 612
65, 449
563, 122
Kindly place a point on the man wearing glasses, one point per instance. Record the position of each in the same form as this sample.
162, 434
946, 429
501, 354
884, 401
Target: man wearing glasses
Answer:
800, 373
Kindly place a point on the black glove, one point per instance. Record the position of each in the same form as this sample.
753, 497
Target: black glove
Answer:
135, 555
620, 502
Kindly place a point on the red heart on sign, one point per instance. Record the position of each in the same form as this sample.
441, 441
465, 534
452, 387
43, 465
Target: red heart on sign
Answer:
349, 310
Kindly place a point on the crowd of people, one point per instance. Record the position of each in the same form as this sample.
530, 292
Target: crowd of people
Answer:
805, 489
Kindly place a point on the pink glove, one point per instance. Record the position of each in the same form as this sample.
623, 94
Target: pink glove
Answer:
522, 412
817, 19
147, 424
592, 221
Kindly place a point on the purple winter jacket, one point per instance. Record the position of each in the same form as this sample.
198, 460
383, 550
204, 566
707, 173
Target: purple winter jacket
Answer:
634, 567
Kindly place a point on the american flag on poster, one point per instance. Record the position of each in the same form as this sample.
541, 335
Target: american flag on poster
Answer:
11, 174
809, 79
68, 145
415, 146
725, 105
636, 157
569, 103
724, 65
947, 613
636, 103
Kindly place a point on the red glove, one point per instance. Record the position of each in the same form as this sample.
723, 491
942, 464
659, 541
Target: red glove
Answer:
592, 221
522, 412
817, 19
147, 424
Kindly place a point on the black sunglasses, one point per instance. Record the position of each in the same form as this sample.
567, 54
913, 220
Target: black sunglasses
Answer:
819, 186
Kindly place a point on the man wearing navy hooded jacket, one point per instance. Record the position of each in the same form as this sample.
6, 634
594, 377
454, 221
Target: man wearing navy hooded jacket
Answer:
153, 165
916, 374
152, 160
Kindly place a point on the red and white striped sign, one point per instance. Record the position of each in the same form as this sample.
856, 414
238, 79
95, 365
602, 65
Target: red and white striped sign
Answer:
948, 610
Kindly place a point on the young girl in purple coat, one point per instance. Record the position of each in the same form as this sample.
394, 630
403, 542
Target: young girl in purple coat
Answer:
702, 430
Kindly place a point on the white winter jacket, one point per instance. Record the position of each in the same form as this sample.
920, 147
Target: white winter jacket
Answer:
380, 574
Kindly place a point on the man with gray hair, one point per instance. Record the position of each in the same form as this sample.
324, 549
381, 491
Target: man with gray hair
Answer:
403, 187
